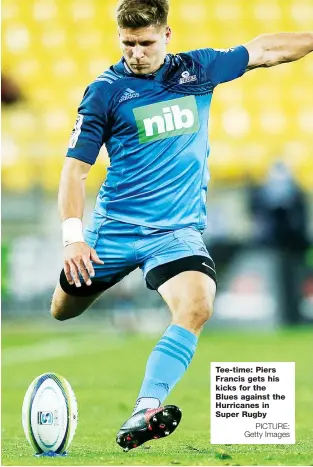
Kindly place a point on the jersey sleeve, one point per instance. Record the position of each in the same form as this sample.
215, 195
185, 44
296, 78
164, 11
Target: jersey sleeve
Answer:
221, 65
91, 128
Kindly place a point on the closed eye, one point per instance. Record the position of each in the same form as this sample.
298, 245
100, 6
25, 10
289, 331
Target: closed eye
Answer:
143, 43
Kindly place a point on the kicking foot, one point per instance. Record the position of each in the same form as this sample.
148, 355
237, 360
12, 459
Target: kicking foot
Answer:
148, 424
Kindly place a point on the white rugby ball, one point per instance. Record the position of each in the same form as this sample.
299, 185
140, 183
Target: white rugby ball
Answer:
49, 414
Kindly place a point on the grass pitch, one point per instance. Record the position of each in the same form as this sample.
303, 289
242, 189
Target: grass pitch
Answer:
105, 372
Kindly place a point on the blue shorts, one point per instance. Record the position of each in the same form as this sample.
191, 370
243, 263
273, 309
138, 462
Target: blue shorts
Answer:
123, 247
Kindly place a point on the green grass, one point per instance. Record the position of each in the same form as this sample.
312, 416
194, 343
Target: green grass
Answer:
105, 372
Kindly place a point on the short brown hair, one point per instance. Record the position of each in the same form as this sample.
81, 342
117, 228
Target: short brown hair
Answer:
142, 13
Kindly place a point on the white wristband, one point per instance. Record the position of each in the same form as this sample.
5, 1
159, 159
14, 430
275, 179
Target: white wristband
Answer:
72, 230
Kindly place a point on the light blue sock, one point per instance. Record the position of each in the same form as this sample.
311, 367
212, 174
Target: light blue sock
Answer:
166, 365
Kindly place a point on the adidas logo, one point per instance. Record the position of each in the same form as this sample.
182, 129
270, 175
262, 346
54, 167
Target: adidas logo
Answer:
129, 94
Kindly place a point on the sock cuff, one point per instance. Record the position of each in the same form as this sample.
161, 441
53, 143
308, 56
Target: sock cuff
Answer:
182, 332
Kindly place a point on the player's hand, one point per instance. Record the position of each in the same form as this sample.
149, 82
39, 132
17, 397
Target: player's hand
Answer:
78, 257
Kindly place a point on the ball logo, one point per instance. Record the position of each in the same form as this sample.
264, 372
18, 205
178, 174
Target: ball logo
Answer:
45, 418
168, 118
48, 412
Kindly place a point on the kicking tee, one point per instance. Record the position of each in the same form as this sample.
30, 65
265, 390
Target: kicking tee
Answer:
155, 129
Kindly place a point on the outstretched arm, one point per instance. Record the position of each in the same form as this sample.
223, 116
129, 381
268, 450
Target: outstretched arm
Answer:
273, 49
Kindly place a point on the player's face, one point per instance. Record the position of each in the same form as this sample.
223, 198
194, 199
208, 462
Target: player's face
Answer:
144, 49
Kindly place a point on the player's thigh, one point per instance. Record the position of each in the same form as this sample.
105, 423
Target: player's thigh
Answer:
189, 293
104, 235
183, 272
65, 306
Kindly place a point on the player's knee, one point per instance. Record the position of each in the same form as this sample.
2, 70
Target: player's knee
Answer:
201, 314
58, 316
57, 308
194, 316
65, 306
202, 310
57, 313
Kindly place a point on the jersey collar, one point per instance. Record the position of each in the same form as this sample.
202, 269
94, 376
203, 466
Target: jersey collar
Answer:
122, 68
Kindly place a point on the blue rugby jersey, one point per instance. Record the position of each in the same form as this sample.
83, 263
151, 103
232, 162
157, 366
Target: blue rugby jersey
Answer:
155, 128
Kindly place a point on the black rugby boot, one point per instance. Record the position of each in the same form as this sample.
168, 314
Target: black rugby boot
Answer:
148, 424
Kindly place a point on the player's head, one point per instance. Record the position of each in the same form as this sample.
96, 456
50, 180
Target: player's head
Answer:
144, 33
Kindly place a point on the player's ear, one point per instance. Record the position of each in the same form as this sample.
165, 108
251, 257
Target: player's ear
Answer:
168, 35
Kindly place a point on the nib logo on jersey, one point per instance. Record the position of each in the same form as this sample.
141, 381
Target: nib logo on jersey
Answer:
167, 119
129, 94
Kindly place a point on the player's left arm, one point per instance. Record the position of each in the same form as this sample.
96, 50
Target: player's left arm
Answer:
273, 49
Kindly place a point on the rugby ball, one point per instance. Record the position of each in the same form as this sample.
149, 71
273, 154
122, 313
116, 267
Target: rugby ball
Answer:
49, 414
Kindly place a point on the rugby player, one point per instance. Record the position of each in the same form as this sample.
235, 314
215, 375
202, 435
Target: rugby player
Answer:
151, 111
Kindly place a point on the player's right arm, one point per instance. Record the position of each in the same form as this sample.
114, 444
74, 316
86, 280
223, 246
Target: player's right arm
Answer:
77, 254
89, 133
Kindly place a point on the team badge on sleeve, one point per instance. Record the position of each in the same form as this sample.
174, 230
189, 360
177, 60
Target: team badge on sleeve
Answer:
76, 131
